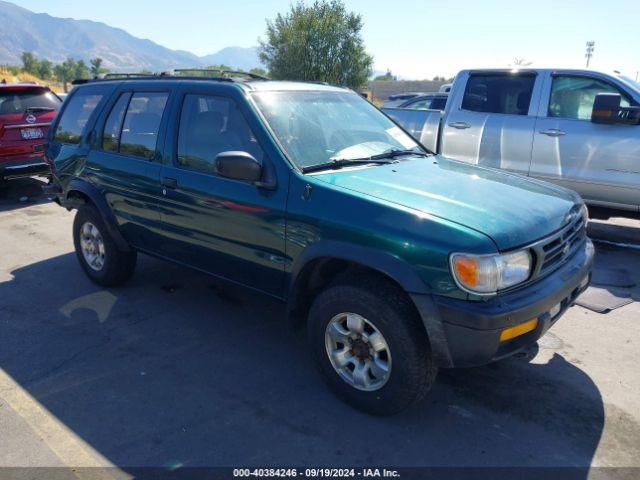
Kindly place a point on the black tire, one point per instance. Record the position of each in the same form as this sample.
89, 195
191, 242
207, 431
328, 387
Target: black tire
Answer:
388, 308
118, 265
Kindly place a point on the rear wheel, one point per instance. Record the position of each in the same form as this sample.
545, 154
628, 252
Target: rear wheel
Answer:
97, 252
370, 345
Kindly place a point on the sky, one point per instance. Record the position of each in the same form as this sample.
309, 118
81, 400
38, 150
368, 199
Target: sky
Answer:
415, 39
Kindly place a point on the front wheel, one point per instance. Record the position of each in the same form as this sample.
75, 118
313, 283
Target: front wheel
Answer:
370, 345
97, 252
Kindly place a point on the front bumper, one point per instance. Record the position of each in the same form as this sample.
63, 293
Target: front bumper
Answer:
467, 333
23, 167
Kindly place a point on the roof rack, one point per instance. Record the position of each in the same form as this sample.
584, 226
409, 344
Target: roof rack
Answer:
129, 75
222, 73
178, 74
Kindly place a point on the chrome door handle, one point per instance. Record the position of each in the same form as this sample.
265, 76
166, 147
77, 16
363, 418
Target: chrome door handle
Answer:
553, 132
460, 125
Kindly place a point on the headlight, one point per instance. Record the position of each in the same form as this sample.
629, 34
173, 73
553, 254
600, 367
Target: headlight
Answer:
485, 274
584, 211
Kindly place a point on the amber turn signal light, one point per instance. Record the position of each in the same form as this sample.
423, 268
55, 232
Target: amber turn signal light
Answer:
513, 332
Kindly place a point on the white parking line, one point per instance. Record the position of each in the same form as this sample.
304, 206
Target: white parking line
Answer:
63, 442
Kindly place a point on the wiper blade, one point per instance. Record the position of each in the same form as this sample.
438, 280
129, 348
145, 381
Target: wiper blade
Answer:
343, 162
39, 109
380, 158
398, 153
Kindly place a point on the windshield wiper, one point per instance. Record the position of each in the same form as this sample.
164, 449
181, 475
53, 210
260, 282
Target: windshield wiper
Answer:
39, 109
380, 158
398, 153
338, 163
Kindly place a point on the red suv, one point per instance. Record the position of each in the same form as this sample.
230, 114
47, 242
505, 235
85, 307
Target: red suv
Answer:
26, 111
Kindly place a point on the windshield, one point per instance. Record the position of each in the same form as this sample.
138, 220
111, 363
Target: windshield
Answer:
631, 82
317, 127
18, 101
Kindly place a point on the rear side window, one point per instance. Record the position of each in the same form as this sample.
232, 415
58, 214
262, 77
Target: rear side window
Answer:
210, 125
113, 125
421, 104
75, 116
141, 124
33, 100
509, 94
439, 103
573, 97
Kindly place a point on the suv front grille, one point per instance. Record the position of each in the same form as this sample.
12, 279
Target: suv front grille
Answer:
551, 252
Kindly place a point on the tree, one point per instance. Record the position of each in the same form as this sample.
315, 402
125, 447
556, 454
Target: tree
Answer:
45, 69
66, 71
81, 70
59, 73
387, 77
96, 67
320, 42
259, 71
221, 66
29, 63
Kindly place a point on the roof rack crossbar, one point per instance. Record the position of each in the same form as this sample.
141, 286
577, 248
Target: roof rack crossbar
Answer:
220, 75
129, 75
223, 73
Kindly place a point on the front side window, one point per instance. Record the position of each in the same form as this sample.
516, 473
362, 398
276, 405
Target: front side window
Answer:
75, 116
499, 93
141, 124
316, 127
210, 125
573, 97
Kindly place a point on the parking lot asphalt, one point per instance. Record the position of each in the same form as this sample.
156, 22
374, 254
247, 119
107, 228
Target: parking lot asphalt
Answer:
177, 369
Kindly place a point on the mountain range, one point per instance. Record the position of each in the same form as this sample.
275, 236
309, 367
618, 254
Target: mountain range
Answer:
56, 39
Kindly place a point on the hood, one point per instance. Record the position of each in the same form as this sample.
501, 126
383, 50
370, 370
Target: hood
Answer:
511, 209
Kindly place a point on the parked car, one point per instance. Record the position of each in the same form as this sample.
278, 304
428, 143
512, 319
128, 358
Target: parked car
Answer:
429, 101
26, 110
399, 98
398, 261
576, 128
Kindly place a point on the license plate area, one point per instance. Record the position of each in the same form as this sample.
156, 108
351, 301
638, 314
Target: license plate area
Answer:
31, 133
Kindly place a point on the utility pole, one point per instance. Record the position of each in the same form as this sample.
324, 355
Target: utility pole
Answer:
590, 47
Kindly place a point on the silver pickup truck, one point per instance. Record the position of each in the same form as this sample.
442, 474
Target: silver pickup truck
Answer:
576, 128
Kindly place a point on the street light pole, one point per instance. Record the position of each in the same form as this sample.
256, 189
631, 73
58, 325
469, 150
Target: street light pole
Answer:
590, 47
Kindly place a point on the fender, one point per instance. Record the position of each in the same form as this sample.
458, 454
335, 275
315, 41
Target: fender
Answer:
379, 260
97, 198
392, 266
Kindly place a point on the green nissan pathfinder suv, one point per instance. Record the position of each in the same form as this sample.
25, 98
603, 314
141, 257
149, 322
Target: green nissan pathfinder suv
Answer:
398, 261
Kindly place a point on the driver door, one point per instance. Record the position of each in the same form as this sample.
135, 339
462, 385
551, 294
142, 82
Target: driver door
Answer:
226, 227
600, 162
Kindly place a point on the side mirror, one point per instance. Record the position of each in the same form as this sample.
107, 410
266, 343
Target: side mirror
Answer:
238, 166
606, 108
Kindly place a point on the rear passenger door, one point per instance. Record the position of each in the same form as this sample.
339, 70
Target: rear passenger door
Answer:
229, 228
491, 123
125, 161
